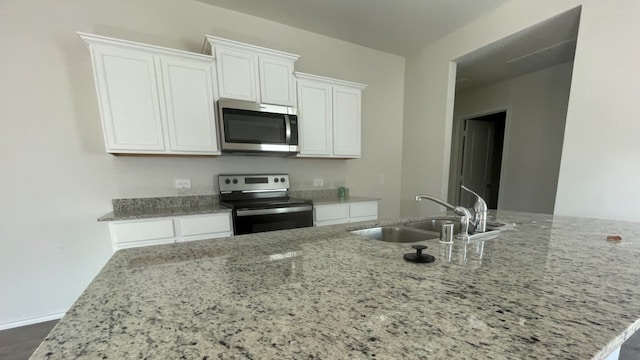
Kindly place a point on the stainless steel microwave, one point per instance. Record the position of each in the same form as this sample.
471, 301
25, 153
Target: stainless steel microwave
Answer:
247, 127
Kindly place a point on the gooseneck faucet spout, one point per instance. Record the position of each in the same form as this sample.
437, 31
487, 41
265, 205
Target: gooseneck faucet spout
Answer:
462, 211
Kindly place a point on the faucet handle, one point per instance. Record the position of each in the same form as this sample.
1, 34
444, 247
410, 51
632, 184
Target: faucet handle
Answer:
480, 210
480, 204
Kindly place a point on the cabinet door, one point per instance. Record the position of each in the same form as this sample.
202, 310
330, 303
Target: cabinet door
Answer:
127, 234
314, 106
189, 104
346, 122
363, 211
205, 226
331, 214
237, 74
128, 97
277, 85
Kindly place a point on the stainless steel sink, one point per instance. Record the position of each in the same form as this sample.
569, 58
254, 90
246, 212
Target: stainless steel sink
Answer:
428, 229
397, 234
435, 225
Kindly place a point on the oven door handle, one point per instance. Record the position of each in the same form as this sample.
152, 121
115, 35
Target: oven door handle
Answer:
261, 191
283, 210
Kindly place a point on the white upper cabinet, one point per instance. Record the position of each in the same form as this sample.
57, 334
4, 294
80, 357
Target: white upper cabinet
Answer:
316, 118
329, 117
154, 100
277, 84
346, 121
188, 95
237, 74
253, 73
128, 99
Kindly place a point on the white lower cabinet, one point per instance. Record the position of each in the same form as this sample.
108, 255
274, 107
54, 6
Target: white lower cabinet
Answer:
332, 214
363, 211
204, 227
126, 234
135, 233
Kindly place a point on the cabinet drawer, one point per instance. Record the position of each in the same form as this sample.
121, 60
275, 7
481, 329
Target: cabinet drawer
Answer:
364, 209
333, 213
146, 230
201, 225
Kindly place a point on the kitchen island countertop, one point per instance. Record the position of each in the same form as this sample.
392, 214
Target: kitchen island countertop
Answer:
552, 287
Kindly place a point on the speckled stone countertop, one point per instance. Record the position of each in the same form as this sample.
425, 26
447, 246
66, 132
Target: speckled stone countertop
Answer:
328, 196
337, 200
143, 208
163, 212
154, 207
550, 288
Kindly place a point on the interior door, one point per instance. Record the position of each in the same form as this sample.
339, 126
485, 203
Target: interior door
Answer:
477, 155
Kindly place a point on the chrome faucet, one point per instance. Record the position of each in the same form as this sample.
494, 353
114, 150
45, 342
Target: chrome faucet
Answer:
460, 210
479, 220
479, 212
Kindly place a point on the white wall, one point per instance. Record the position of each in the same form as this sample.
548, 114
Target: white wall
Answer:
599, 165
537, 109
57, 178
601, 155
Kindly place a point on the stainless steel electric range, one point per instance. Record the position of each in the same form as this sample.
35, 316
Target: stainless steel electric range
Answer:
262, 202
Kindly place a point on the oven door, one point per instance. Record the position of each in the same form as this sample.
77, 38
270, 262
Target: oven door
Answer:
256, 127
248, 221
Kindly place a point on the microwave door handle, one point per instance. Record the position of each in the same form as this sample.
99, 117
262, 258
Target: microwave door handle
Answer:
287, 123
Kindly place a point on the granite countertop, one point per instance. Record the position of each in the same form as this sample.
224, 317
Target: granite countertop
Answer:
169, 206
552, 287
163, 212
338, 200
329, 196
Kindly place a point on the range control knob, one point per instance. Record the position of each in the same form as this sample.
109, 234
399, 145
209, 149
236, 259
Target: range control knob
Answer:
235, 181
275, 180
227, 181
282, 180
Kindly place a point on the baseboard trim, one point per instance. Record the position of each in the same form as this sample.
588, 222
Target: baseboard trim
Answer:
31, 321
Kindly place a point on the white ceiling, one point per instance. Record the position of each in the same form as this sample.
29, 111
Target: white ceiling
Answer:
548, 43
396, 26
405, 26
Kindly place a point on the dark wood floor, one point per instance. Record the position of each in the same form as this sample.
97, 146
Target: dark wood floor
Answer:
20, 343
630, 350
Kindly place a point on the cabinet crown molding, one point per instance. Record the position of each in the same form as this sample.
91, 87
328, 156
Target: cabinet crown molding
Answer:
210, 42
332, 81
92, 39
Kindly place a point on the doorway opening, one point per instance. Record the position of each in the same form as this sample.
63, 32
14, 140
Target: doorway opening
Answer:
478, 158
529, 71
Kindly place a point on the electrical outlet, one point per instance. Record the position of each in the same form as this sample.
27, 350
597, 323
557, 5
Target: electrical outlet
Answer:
318, 182
381, 179
183, 183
